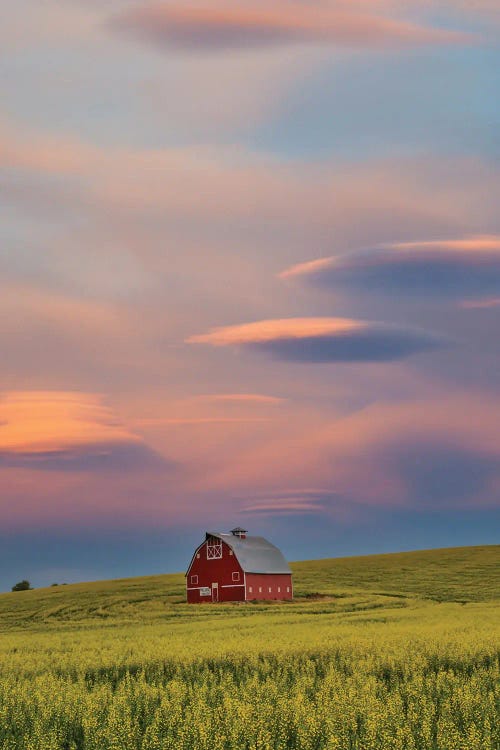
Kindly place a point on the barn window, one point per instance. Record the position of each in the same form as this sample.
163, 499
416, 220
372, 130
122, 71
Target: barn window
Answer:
279, 589
250, 589
260, 589
269, 589
214, 548
194, 579
236, 576
288, 589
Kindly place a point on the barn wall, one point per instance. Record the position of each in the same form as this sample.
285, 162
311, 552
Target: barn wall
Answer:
215, 571
258, 585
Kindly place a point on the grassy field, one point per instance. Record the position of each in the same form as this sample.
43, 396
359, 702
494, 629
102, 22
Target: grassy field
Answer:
389, 651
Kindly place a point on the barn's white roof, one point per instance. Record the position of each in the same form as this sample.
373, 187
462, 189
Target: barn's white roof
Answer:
254, 553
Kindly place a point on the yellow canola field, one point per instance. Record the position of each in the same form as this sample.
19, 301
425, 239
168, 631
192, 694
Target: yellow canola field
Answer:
339, 669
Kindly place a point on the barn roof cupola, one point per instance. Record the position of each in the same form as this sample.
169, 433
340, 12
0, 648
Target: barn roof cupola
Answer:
239, 532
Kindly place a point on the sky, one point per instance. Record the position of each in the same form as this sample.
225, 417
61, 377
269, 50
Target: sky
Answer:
250, 275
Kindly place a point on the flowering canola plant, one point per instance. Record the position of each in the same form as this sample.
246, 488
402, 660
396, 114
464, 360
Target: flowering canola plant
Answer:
352, 670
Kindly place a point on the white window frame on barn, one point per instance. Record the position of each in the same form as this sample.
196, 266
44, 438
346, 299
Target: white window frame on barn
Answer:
214, 548
236, 576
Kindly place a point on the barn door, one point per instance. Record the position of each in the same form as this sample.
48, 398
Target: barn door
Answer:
215, 592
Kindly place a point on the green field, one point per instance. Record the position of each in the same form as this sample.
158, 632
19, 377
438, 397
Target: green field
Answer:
389, 651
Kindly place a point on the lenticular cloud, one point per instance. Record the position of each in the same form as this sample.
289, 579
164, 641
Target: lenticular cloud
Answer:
62, 430
222, 25
452, 268
323, 339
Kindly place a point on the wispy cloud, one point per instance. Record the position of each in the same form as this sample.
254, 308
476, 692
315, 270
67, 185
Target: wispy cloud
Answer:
289, 502
223, 25
146, 197
323, 339
238, 398
480, 304
163, 422
440, 452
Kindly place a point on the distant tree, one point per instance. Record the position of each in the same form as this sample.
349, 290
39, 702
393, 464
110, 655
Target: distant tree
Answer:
54, 584
22, 586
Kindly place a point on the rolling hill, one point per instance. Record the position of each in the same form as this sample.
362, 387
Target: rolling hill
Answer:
460, 574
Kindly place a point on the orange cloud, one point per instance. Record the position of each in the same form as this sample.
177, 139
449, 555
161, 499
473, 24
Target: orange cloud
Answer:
323, 339
239, 398
478, 304
480, 243
310, 267
162, 422
271, 330
229, 25
65, 430
46, 420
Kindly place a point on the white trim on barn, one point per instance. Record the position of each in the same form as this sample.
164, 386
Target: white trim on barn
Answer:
214, 548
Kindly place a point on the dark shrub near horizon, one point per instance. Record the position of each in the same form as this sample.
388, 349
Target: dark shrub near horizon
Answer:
22, 586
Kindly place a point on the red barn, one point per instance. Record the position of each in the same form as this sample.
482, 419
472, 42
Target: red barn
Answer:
234, 567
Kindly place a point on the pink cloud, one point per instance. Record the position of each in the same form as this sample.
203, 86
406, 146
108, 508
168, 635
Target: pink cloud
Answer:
437, 267
166, 421
50, 338
289, 502
229, 25
66, 459
440, 452
66, 430
478, 244
45, 153
32, 25
271, 330
239, 398
322, 339
118, 186
466, 247
85, 499
480, 304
